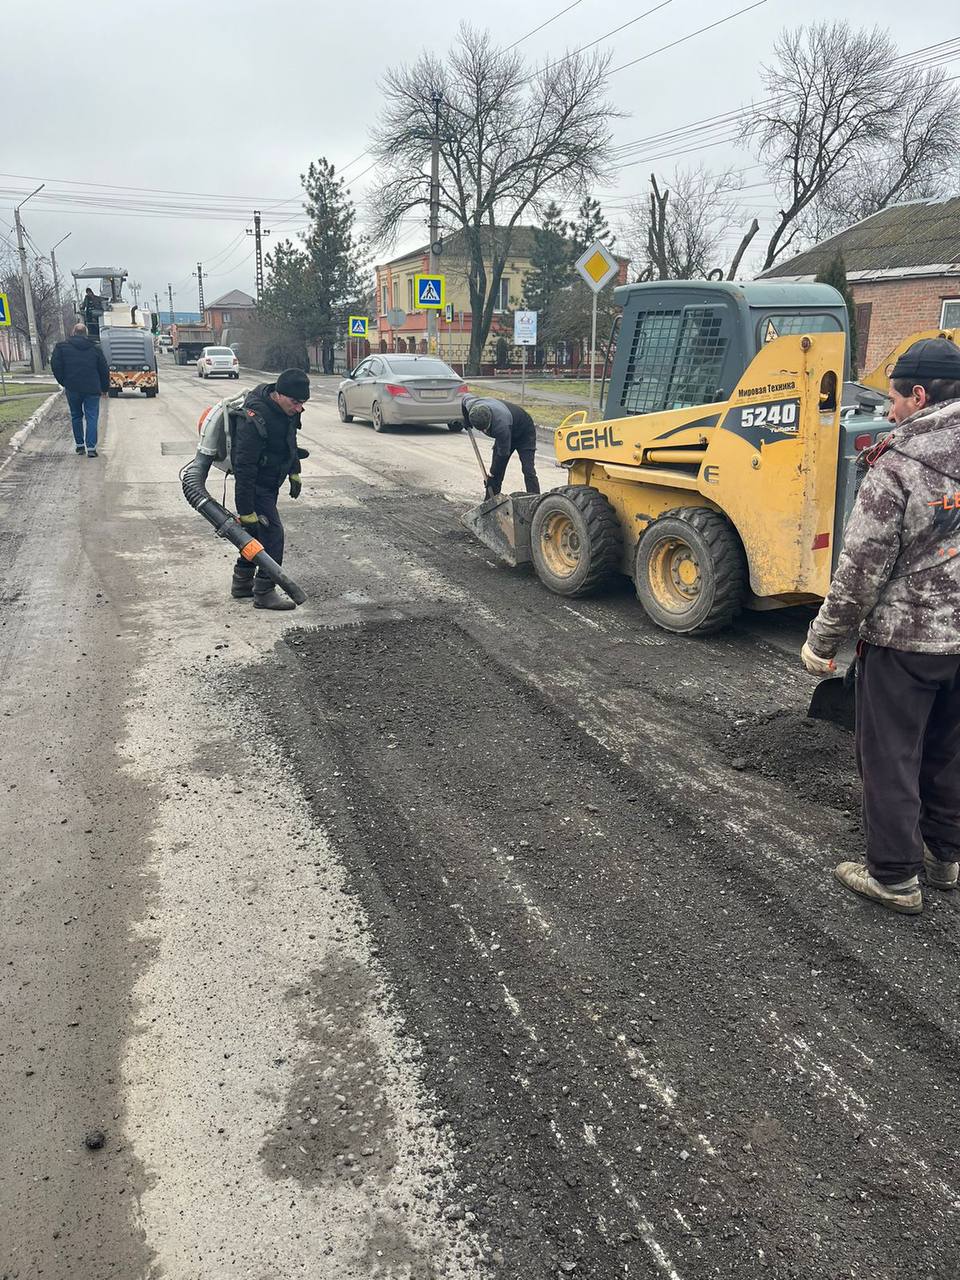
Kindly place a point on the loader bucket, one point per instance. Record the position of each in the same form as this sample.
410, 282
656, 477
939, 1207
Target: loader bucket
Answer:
503, 524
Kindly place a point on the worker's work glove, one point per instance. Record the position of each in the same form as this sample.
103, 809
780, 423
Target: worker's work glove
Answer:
251, 525
816, 665
295, 486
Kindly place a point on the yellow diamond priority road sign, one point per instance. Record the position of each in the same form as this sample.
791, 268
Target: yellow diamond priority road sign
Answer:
597, 265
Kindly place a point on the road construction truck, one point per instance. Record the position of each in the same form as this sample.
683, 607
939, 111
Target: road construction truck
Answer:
725, 464
123, 331
189, 341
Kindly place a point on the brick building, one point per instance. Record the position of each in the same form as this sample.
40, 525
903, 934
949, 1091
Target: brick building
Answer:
226, 313
903, 267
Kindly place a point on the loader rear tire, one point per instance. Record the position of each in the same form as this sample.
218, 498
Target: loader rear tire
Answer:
691, 573
575, 540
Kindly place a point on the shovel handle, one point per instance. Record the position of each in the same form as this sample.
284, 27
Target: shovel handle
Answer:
476, 450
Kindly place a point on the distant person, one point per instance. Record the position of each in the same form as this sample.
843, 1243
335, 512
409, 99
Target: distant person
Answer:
92, 308
265, 454
78, 365
512, 430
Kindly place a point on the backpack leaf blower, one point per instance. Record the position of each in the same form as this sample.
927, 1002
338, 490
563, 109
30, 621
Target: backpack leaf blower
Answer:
214, 450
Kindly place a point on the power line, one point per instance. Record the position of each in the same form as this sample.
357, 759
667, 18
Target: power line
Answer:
683, 39
542, 25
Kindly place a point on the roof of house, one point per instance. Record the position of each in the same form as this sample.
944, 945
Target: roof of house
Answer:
921, 237
235, 298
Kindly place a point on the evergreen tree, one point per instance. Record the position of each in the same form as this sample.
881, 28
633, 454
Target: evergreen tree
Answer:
589, 225
309, 291
835, 273
551, 270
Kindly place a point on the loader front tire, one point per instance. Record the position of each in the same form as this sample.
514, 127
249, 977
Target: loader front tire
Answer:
575, 540
691, 573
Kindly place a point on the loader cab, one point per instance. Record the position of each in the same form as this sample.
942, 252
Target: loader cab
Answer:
688, 342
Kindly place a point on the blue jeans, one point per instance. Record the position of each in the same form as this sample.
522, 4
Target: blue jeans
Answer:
84, 407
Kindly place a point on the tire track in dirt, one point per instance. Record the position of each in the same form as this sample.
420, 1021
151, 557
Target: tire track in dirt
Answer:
623, 1019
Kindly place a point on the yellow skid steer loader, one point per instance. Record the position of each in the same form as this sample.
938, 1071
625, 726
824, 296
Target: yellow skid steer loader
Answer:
725, 466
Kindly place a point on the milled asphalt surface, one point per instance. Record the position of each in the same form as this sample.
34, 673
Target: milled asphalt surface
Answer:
441, 928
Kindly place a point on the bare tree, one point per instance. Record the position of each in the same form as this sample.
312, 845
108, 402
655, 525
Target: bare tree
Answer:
509, 140
44, 303
917, 162
676, 233
838, 101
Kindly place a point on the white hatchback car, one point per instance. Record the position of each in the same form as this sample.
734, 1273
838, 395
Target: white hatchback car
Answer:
218, 360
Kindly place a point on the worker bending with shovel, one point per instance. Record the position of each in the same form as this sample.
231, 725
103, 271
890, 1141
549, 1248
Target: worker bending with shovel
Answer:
898, 581
512, 430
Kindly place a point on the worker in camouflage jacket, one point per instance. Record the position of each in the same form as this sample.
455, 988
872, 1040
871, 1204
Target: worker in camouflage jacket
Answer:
898, 582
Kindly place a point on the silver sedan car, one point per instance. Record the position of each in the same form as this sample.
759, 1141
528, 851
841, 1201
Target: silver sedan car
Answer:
390, 390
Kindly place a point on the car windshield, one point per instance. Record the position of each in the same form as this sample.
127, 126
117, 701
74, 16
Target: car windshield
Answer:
219, 351
425, 368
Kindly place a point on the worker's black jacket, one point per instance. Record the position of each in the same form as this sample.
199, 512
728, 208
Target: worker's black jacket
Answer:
264, 447
520, 434
78, 365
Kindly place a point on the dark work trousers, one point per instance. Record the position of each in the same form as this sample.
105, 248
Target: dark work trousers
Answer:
908, 754
271, 534
498, 467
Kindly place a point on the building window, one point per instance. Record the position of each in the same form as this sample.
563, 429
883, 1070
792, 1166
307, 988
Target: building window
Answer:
409, 293
384, 305
224, 317
950, 313
503, 296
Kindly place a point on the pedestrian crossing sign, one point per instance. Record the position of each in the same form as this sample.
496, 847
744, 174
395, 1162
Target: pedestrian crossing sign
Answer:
4, 311
429, 292
358, 326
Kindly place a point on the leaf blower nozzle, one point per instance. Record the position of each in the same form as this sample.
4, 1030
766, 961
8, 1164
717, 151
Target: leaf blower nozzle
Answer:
226, 525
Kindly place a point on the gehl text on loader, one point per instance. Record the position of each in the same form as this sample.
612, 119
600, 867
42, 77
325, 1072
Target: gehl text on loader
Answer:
725, 465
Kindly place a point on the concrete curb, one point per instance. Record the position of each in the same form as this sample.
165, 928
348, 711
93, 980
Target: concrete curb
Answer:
19, 438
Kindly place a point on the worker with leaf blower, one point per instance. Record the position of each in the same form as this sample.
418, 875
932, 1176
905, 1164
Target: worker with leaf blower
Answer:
512, 430
264, 454
898, 581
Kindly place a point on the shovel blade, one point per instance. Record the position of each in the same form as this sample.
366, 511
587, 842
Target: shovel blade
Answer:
836, 700
503, 525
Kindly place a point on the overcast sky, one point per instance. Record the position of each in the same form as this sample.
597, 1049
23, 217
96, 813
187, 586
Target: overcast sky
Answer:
229, 102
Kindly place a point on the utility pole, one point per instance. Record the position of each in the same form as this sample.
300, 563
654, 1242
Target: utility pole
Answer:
258, 233
35, 362
434, 217
135, 287
56, 283
199, 274
156, 303
170, 296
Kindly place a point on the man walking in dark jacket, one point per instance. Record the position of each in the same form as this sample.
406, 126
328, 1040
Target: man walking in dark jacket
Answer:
78, 365
897, 581
512, 429
264, 455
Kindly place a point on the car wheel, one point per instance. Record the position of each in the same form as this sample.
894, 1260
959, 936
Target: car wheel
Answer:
378, 422
342, 408
454, 426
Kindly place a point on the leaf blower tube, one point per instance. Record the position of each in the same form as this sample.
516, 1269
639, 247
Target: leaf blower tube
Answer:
193, 477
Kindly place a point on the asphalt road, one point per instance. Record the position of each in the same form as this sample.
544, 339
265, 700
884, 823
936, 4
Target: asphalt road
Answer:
441, 928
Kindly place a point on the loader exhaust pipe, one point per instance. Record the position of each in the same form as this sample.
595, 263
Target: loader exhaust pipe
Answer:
193, 478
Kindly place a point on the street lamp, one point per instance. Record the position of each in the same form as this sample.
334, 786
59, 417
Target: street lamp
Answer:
56, 282
35, 360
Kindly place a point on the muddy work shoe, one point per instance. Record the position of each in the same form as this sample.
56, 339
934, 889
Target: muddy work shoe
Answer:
271, 599
940, 875
241, 586
904, 897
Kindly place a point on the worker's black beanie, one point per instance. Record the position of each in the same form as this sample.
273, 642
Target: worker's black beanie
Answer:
929, 358
294, 383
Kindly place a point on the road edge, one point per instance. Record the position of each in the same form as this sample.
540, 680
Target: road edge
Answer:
19, 438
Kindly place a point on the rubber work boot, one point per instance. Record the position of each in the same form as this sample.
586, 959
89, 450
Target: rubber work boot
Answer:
940, 875
904, 897
241, 588
266, 596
